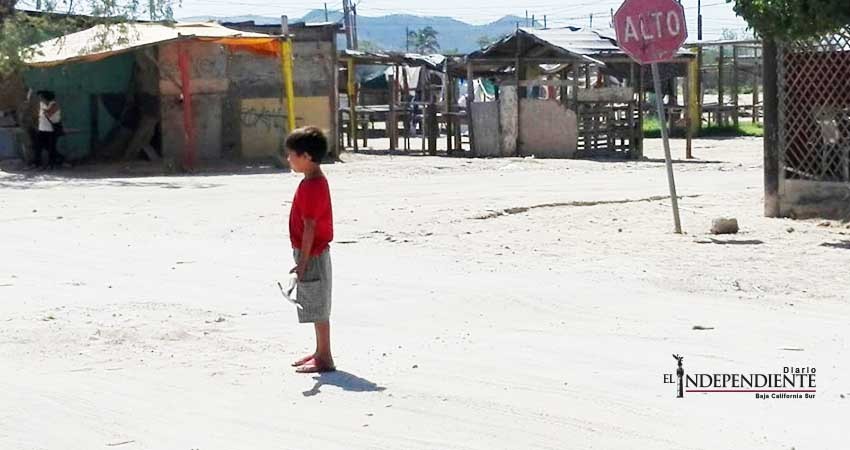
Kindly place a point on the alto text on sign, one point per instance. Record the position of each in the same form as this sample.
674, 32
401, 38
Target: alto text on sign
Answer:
651, 31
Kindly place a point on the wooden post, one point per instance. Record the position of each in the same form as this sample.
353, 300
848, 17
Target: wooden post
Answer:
694, 104
450, 100
700, 100
286, 57
519, 75
735, 85
756, 71
188, 116
334, 97
631, 112
433, 127
457, 121
423, 124
352, 104
408, 118
470, 99
772, 151
576, 69
392, 119
641, 100
720, 118
366, 122
688, 110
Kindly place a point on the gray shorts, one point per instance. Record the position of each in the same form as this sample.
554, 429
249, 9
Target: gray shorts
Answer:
314, 289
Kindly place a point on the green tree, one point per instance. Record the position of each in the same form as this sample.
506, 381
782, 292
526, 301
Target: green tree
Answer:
19, 30
793, 19
423, 41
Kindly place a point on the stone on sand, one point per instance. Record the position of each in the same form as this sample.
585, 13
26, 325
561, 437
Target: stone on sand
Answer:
723, 225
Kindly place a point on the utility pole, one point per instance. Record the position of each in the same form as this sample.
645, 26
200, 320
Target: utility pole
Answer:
699, 20
347, 21
591, 21
526, 17
354, 26
407, 39
533, 24
326, 13
544, 21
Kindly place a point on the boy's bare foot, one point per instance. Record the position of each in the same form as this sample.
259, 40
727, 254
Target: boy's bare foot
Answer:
316, 365
304, 360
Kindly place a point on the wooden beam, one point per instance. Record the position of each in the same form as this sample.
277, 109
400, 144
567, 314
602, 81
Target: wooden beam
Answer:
699, 88
575, 70
756, 72
720, 118
694, 103
519, 74
641, 99
689, 99
735, 86
772, 152
470, 99
392, 118
288, 81
458, 141
352, 105
450, 100
433, 128
490, 62
184, 63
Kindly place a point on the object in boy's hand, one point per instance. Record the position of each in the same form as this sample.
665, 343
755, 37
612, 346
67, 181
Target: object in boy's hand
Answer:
290, 292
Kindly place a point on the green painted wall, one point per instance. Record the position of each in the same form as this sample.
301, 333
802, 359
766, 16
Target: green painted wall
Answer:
77, 86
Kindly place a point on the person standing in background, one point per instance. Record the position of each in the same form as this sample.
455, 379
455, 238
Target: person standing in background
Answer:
49, 130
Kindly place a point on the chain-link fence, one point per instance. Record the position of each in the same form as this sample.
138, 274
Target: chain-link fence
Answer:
814, 108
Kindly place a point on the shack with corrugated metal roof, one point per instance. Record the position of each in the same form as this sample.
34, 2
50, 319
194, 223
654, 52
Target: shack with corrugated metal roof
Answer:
562, 93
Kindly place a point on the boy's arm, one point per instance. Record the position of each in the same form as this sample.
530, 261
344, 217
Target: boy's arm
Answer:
306, 246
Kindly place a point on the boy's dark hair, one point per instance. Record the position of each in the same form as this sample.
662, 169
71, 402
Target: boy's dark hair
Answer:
309, 140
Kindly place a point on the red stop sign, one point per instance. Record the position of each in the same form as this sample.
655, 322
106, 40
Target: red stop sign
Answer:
651, 31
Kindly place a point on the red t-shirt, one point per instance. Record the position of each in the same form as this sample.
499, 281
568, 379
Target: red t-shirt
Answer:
312, 201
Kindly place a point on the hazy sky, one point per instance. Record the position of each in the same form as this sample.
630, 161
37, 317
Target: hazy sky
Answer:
717, 14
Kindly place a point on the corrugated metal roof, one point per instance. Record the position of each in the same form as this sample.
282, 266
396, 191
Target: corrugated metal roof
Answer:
104, 40
434, 61
581, 41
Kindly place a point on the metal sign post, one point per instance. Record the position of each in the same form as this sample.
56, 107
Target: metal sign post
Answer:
653, 31
659, 102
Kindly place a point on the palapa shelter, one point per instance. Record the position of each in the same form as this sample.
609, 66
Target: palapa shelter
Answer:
563, 93
397, 87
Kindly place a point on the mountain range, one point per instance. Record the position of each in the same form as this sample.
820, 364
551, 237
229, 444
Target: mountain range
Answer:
388, 32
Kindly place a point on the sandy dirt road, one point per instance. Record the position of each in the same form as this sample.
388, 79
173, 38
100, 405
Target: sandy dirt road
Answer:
479, 304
